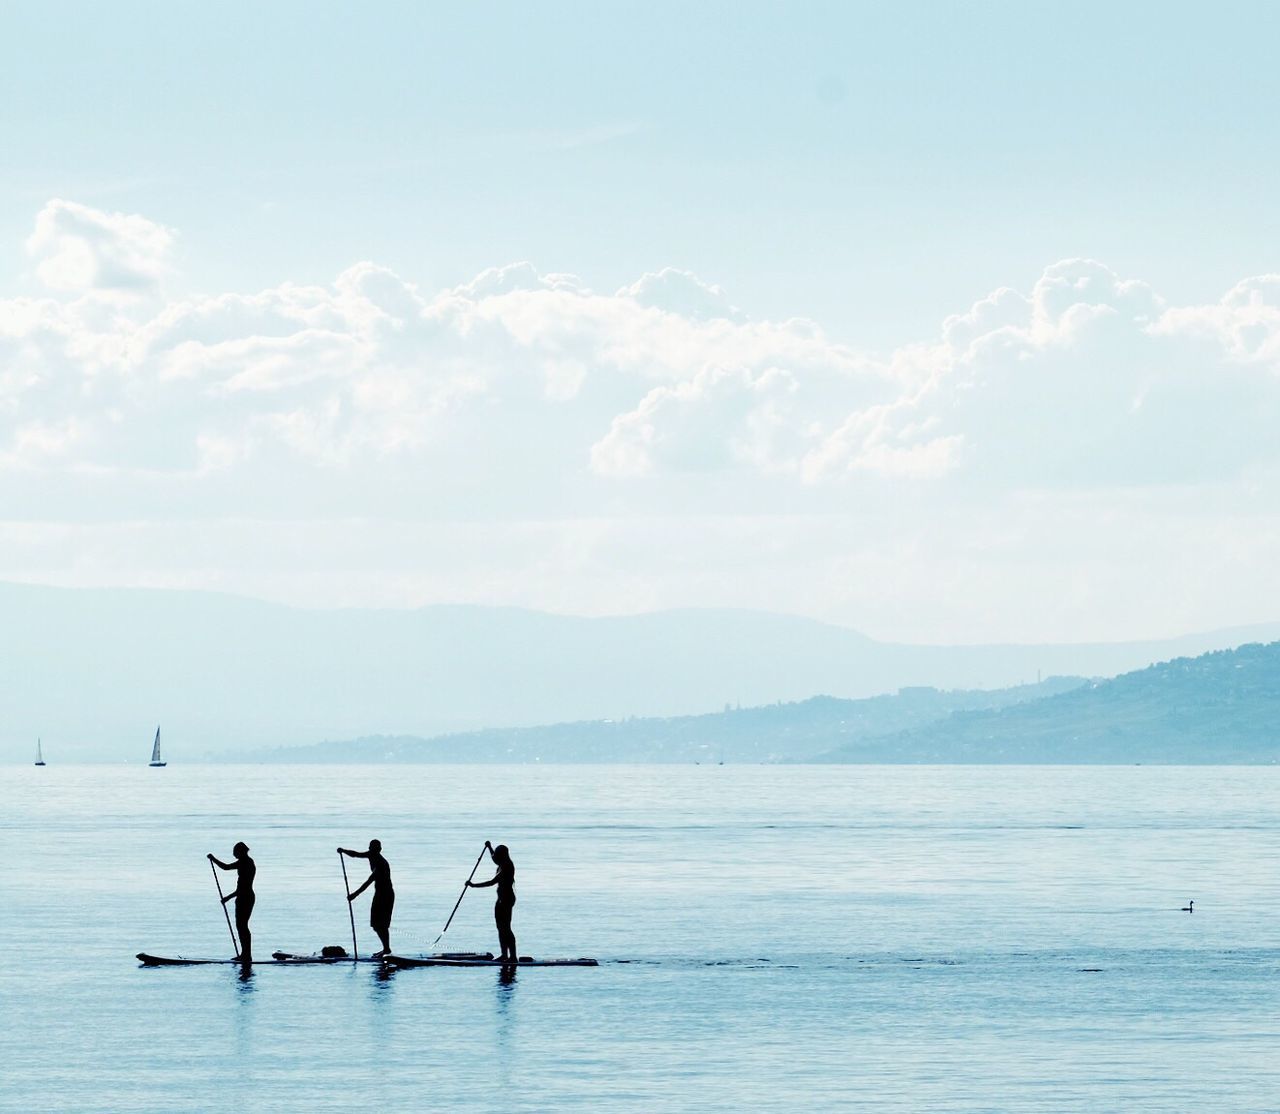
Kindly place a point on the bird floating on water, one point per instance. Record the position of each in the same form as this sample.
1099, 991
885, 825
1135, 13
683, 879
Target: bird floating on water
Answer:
1189, 907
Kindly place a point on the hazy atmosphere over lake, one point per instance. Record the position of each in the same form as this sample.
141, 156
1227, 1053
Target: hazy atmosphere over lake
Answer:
945, 324
724, 469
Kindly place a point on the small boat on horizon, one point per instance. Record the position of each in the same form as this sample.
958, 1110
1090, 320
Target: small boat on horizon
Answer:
40, 755
155, 751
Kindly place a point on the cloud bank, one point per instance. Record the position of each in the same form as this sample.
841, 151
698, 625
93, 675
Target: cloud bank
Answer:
527, 396
1087, 379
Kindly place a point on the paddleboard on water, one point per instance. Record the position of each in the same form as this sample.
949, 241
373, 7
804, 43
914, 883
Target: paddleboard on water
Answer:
320, 957
292, 959
446, 961
148, 960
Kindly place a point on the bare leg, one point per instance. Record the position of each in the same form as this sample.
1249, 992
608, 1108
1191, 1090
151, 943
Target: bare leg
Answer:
244, 910
506, 938
380, 922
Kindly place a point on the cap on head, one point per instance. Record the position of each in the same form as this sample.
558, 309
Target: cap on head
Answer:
375, 845
240, 849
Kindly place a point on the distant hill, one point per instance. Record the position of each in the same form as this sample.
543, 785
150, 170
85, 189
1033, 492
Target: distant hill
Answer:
93, 671
1221, 707
774, 733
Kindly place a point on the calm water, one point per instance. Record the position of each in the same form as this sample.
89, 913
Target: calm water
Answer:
887, 938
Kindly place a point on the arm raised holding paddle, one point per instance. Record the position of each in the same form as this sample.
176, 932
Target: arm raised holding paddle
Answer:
384, 896
224, 866
505, 880
246, 869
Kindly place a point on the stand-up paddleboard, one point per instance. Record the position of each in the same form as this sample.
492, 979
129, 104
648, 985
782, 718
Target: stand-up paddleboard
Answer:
293, 959
447, 961
321, 957
148, 960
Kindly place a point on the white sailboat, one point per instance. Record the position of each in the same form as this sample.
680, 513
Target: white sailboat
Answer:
39, 754
155, 751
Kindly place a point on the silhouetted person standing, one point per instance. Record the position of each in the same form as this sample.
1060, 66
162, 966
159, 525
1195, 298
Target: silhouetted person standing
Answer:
505, 880
245, 869
384, 897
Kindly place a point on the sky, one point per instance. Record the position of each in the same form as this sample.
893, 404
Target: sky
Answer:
950, 323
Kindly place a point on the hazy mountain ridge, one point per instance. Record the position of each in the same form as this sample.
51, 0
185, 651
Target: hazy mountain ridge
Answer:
772, 733
1220, 707
93, 671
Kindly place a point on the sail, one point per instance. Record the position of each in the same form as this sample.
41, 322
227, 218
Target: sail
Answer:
39, 754
155, 748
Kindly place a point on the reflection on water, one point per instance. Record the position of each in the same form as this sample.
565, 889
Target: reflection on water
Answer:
245, 1012
382, 1017
504, 1028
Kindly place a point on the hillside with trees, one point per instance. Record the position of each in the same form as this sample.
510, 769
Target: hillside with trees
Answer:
778, 732
1221, 707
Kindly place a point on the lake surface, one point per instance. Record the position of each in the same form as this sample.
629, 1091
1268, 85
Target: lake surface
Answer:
770, 938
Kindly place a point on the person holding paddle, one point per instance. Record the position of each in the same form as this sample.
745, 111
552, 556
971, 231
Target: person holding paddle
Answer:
384, 897
245, 869
505, 880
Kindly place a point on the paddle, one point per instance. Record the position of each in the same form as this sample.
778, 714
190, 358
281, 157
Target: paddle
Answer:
346, 889
234, 943
461, 895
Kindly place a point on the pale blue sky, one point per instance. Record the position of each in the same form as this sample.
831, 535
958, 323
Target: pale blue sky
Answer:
243, 344
871, 166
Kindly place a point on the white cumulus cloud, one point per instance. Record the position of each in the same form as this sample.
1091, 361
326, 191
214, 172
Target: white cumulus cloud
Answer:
1088, 380
78, 249
524, 381
721, 418
682, 292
